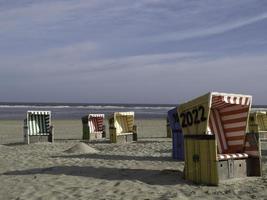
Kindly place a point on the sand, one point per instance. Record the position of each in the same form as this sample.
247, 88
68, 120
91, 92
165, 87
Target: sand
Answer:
81, 148
141, 170
11, 131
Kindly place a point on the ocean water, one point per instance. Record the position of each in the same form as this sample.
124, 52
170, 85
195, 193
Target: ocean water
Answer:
17, 111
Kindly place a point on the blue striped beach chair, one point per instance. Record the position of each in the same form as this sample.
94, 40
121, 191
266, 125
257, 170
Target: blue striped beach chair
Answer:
177, 135
122, 128
37, 127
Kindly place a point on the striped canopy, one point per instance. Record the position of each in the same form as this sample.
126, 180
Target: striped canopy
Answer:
123, 122
228, 120
96, 122
258, 118
38, 122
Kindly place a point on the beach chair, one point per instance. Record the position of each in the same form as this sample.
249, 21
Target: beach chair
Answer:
168, 128
258, 124
177, 135
93, 127
122, 128
217, 147
37, 127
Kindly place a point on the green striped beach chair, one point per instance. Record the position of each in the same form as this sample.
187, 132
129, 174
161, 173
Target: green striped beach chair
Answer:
37, 127
122, 128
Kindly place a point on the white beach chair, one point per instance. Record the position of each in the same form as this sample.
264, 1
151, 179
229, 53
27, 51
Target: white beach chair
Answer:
37, 127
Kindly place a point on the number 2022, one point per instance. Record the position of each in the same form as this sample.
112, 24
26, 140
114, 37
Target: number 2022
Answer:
195, 117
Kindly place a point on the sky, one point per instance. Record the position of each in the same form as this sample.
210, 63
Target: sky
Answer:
126, 51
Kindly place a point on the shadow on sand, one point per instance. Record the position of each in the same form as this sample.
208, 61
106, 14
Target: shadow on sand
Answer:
152, 177
117, 157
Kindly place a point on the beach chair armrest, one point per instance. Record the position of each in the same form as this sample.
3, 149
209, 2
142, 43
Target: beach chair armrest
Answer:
134, 133
134, 129
51, 128
51, 134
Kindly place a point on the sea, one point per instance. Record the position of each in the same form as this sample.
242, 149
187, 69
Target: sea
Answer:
17, 111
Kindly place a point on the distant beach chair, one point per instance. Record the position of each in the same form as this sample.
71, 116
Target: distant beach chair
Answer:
168, 128
258, 124
122, 128
177, 135
93, 127
217, 146
37, 127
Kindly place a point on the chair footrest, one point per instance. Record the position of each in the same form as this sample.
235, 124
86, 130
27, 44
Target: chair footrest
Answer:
129, 133
97, 132
40, 134
232, 156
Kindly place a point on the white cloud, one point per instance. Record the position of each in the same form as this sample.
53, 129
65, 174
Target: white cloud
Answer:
72, 50
70, 45
208, 31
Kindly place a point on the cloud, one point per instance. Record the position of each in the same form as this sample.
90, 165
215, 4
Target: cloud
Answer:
208, 31
72, 51
75, 60
148, 50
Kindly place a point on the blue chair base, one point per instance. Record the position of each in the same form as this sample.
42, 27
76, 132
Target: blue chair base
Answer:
178, 146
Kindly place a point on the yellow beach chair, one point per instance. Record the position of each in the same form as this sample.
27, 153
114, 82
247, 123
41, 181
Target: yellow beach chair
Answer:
93, 126
258, 124
37, 127
122, 128
216, 144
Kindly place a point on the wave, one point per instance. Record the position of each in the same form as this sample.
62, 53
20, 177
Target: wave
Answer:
93, 107
31, 106
259, 109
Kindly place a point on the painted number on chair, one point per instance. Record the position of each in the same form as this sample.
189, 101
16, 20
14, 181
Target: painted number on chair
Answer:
195, 116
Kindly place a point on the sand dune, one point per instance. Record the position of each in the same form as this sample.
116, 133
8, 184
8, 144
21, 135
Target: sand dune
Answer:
81, 148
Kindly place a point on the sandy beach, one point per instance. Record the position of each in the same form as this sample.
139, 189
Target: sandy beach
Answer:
139, 170
11, 131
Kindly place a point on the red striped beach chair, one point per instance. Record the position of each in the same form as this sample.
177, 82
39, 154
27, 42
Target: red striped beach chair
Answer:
37, 127
93, 127
122, 128
217, 146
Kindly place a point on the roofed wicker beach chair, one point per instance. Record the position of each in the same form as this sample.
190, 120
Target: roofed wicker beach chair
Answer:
37, 127
258, 123
93, 127
177, 135
217, 146
168, 128
122, 128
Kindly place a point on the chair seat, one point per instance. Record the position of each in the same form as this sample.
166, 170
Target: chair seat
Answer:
39, 134
127, 133
232, 156
97, 132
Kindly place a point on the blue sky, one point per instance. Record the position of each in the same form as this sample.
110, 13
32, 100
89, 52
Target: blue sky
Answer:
124, 51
